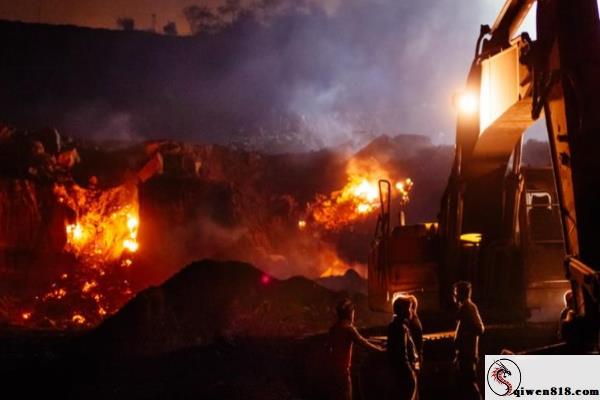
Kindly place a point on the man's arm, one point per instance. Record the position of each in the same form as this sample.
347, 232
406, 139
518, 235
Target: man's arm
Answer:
477, 322
360, 340
411, 349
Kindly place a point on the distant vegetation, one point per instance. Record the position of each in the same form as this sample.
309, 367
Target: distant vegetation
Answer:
126, 23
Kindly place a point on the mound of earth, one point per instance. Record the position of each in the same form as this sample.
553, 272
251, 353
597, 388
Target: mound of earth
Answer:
211, 301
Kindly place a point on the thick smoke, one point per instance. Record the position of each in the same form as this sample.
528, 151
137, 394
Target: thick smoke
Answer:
324, 74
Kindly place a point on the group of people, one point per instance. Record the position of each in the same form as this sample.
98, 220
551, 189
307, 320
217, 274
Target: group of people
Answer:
405, 347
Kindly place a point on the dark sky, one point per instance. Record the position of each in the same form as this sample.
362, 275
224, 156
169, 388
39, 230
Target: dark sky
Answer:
384, 66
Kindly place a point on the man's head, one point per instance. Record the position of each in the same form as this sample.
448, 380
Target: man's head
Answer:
462, 291
402, 306
345, 310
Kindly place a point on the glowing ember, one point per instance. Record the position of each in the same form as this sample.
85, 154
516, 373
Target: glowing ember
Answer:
55, 294
301, 224
78, 319
88, 286
26, 316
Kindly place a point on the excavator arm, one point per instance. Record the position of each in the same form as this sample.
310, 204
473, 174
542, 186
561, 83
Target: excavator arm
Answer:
512, 81
566, 66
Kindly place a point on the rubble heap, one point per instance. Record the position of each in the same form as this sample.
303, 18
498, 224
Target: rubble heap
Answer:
211, 301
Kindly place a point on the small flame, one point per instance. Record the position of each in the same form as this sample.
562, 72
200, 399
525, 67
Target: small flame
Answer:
301, 224
132, 224
335, 266
131, 245
75, 232
87, 286
364, 208
404, 187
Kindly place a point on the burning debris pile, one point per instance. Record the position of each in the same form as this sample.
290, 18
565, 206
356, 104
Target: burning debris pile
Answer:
106, 225
102, 238
68, 264
86, 227
358, 198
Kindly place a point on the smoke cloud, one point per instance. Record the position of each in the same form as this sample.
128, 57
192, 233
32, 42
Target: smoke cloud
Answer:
320, 74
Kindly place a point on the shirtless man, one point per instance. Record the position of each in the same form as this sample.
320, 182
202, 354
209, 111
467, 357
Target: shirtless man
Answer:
469, 327
342, 336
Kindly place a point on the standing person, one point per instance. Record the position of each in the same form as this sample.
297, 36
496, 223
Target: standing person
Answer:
401, 352
469, 327
416, 330
342, 335
416, 333
570, 328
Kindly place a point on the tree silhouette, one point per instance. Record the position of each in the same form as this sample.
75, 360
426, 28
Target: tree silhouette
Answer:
230, 10
202, 20
170, 28
126, 23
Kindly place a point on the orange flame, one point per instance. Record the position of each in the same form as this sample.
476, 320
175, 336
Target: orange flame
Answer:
107, 223
334, 265
358, 198
403, 188
103, 238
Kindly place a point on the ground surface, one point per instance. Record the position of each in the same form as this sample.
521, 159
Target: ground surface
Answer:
45, 364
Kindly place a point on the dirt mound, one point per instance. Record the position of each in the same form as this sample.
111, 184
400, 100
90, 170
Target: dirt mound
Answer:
210, 301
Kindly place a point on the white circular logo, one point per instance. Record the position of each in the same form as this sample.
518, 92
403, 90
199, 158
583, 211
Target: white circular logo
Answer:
503, 377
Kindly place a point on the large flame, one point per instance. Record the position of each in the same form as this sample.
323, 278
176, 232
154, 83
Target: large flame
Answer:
107, 223
358, 198
103, 239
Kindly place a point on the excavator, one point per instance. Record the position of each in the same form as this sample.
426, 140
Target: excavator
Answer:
522, 236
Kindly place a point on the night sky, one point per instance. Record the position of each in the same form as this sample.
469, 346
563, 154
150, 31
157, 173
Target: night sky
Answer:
343, 68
